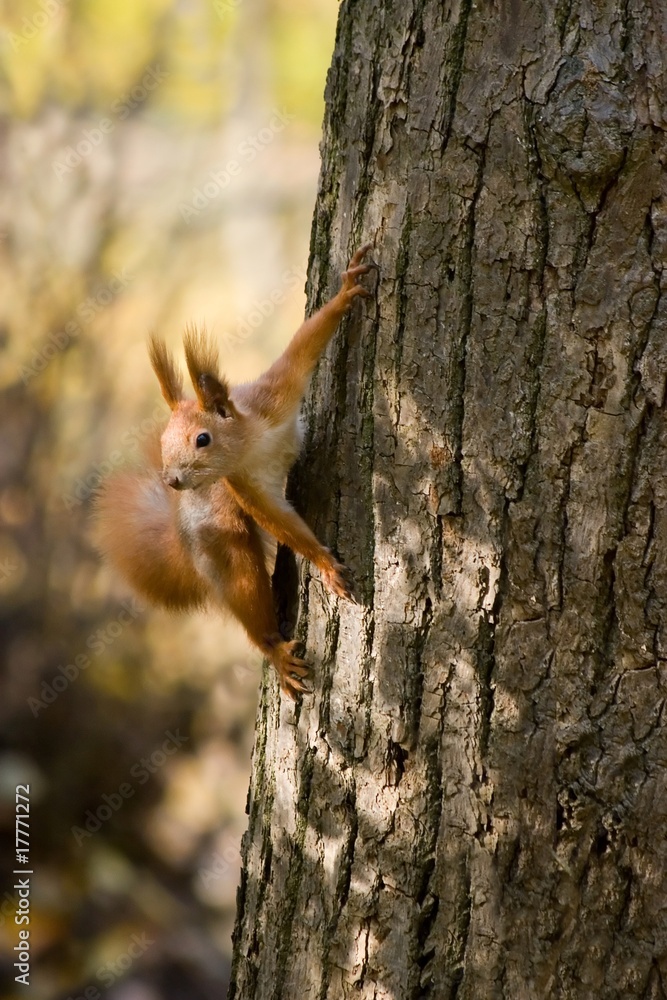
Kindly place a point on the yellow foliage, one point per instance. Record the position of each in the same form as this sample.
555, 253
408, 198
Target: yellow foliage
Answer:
91, 55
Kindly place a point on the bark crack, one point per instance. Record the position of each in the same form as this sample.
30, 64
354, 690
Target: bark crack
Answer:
295, 874
342, 892
466, 290
454, 62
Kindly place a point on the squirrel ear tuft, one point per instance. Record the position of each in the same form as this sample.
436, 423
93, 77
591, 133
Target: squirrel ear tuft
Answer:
202, 359
171, 380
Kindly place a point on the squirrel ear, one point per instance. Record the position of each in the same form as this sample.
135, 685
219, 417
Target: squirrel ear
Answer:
202, 358
171, 381
213, 395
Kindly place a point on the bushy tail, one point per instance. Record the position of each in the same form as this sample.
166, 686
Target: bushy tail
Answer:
137, 530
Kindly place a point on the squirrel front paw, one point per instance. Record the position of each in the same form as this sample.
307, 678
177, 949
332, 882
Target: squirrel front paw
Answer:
338, 579
292, 671
351, 287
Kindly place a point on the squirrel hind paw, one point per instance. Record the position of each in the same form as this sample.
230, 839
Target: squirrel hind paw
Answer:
293, 687
291, 669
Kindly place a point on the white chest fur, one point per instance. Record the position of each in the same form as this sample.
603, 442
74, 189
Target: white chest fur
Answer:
272, 454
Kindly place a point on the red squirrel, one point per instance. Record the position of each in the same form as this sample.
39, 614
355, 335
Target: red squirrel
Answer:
188, 529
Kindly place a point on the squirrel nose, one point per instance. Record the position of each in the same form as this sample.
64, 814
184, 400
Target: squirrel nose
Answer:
173, 481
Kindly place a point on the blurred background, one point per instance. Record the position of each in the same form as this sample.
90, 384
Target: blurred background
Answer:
159, 165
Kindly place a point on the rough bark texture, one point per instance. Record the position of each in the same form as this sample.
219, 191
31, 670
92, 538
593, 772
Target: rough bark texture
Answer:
473, 802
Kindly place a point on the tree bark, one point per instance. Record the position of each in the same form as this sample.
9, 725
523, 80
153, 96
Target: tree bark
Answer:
472, 804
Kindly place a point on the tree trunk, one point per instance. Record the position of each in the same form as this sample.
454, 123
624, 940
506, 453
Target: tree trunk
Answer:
473, 801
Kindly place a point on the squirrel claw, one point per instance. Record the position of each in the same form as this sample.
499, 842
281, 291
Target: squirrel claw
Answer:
338, 579
291, 669
293, 688
360, 254
350, 278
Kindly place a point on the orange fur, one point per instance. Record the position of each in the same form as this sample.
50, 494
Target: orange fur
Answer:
137, 529
193, 533
171, 381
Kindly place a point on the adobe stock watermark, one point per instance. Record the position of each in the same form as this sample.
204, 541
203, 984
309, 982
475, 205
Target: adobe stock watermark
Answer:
96, 643
86, 311
8, 567
85, 486
91, 138
33, 25
219, 865
110, 972
140, 773
246, 151
261, 309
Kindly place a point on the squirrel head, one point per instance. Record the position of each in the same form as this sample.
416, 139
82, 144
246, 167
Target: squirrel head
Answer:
204, 438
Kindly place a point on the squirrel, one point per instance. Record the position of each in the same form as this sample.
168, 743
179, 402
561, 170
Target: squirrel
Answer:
190, 528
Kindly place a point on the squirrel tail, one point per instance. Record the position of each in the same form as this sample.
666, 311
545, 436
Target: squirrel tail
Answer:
137, 531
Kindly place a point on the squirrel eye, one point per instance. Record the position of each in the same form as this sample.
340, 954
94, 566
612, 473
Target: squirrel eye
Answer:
203, 439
